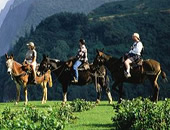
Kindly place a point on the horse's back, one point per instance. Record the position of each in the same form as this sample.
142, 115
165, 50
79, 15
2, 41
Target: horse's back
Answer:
151, 65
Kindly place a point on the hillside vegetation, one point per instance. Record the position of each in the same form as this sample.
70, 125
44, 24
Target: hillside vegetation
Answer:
25, 14
58, 35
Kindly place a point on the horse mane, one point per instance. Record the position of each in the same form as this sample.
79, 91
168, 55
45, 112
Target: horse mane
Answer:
18, 63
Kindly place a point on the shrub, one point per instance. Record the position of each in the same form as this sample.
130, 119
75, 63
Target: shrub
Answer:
138, 114
33, 119
80, 105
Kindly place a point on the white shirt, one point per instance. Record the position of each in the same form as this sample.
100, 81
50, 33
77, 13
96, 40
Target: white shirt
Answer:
136, 48
82, 53
30, 55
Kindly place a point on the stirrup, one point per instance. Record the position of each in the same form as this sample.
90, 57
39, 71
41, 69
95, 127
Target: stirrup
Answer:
74, 80
127, 75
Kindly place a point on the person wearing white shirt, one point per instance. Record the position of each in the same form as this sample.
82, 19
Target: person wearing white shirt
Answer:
81, 58
31, 57
134, 53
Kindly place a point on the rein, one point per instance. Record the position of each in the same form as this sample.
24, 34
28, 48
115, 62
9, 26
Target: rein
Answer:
60, 73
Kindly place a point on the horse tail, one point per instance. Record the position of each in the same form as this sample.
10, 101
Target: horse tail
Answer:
164, 77
50, 82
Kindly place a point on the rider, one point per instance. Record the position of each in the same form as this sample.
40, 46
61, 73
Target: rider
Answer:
134, 53
81, 58
31, 57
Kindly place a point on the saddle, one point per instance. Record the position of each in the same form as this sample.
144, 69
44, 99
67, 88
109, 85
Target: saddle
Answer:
27, 68
84, 66
136, 64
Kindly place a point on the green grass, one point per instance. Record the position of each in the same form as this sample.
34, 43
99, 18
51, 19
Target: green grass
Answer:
98, 118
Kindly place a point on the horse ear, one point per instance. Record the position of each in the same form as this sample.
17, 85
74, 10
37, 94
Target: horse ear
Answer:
44, 56
102, 50
12, 55
97, 51
6, 55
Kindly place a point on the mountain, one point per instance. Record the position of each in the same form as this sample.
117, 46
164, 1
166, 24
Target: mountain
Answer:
25, 14
13, 21
4, 11
58, 35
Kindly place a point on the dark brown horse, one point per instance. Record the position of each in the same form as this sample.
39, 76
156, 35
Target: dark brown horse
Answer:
64, 75
21, 77
150, 69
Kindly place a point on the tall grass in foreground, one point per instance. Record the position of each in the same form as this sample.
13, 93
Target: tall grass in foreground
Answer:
29, 117
142, 115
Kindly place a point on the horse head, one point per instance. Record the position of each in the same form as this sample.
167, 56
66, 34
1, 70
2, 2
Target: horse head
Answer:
100, 58
9, 63
44, 65
49, 64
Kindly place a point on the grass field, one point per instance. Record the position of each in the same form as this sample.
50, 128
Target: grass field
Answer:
98, 118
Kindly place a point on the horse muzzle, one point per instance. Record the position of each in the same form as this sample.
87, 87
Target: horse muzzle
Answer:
9, 71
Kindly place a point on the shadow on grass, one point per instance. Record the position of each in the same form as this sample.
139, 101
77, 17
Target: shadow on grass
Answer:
105, 104
102, 126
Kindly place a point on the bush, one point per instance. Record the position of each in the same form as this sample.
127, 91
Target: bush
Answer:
33, 119
80, 105
138, 114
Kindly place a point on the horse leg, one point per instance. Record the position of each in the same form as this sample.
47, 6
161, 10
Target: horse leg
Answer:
44, 99
98, 93
120, 92
64, 94
25, 92
153, 80
18, 93
105, 85
46, 94
114, 86
44, 91
109, 95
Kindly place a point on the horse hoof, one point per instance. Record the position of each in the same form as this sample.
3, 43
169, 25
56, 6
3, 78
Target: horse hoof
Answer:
110, 102
98, 101
25, 103
63, 103
15, 103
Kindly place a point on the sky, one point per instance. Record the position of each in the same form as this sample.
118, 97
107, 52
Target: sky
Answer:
2, 4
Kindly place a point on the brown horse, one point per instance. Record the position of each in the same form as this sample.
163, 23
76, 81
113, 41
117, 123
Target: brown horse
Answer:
63, 73
150, 69
21, 77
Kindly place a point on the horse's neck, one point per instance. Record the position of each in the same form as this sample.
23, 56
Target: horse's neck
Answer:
17, 68
111, 63
58, 67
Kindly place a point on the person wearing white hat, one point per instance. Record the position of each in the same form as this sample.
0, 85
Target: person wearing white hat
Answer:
134, 54
31, 57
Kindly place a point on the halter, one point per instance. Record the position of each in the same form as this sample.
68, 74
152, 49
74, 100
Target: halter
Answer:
56, 68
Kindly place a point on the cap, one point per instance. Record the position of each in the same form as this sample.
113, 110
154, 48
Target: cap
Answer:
136, 35
30, 44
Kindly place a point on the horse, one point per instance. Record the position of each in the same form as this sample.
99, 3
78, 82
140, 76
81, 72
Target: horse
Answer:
21, 77
149, 69
63, 74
